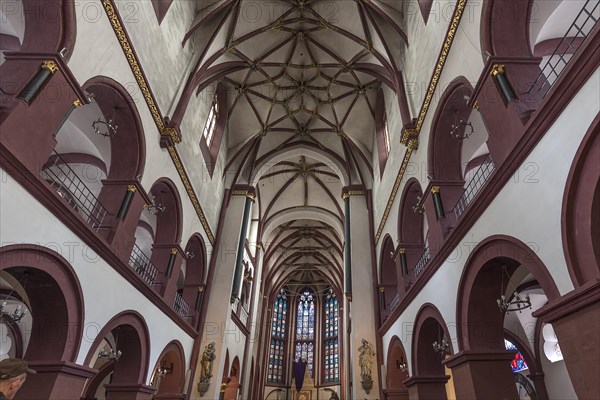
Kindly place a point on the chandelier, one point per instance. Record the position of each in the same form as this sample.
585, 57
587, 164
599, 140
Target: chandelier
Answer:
104, 128
457, 125
516, 304
418, 208
163, 370
111, 354
401, 365
20, 311
441, 347
156, 206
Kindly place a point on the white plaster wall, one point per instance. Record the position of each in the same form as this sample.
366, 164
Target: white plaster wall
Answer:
105, 292
464, 59
528, 208
109, 60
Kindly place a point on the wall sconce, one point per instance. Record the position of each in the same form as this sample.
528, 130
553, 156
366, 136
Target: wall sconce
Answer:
460, 124
104, 128
189, 255
498, 73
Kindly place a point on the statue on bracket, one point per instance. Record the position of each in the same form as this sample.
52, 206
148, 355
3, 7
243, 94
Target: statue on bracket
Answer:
365, 360
206, 366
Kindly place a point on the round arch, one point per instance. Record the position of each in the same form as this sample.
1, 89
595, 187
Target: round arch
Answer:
444, 151
397, 366
133, 340
128, 146
173, 359
169, 223
429, 327
54, 292
580, 208
388, 272
478, 318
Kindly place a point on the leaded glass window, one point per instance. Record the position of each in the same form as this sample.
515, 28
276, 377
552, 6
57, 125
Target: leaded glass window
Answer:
305, 329
331, 341
276, 358
211, 122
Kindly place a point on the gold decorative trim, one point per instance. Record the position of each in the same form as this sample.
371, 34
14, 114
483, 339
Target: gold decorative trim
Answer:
497, 69
458, 13
435, 189
50, 66
131, 188
77, 103
348, 193
413, 144
191, 194
402, 251
476, 105
134, 64
381, 289
201, 288
174, 251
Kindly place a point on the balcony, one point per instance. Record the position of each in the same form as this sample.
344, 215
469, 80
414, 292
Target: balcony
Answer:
474, 186
74, 191
142, 266
420, 265
566, 49
181, 307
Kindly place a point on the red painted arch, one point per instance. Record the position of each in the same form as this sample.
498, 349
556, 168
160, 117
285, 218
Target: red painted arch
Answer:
172, 383
479, 322
429, 327
394, 375
55, 295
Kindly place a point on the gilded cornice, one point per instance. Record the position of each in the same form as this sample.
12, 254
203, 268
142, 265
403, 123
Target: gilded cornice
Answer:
170, 132
413, 133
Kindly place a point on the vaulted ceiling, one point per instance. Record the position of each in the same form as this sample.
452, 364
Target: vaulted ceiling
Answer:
301, 78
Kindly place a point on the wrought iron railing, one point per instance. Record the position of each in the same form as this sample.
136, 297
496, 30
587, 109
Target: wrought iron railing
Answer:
395, 303
181, 307
71, 188
479, 179
142, 265
420, 265
565, 50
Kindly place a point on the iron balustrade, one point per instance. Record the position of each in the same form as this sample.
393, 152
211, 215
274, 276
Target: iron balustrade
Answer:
142, 265
565, 50
474, 186
395, 303
420, 265
181, 307
76, 193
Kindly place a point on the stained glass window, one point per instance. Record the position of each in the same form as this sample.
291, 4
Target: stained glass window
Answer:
518, 363
275, 371
331, 343
305, 329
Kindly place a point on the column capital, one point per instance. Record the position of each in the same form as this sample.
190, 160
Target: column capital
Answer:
244, 190
353, 190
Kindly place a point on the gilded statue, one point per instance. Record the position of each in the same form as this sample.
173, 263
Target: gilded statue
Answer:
365, 360
208, 357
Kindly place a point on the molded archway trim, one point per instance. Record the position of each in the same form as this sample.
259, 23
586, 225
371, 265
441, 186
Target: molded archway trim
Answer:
496, 247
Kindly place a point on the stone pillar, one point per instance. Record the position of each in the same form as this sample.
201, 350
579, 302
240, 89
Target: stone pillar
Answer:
218, 324
27, 130
124, 200
427, 387
483, 375
167, 258
361, 298
118, 391
575, 319
55, 380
